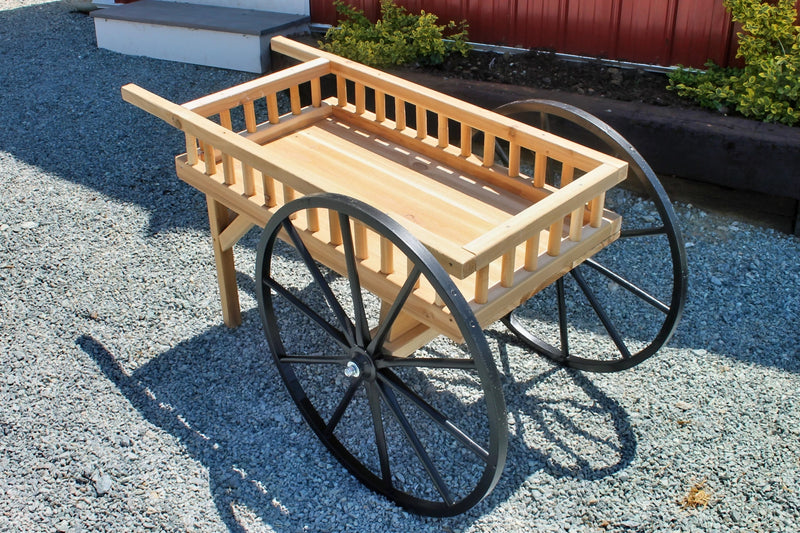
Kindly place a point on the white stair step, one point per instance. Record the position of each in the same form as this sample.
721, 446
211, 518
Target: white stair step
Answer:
224, 37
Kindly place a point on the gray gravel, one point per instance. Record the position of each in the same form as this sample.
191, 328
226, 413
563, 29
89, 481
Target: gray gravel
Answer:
127, 406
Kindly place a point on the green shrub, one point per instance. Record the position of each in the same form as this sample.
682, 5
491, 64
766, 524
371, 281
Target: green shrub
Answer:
768, 86
399, 37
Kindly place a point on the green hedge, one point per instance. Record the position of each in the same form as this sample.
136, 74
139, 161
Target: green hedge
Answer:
768, 86
397, 38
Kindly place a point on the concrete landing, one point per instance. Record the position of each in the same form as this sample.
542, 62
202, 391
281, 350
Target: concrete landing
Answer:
233, 38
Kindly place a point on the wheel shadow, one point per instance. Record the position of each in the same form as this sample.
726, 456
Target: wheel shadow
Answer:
597, 443
213, 410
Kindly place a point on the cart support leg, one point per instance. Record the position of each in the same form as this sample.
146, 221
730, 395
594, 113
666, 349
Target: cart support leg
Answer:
219, 219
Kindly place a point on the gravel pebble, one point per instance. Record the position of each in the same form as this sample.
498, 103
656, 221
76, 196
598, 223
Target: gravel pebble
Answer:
128, 406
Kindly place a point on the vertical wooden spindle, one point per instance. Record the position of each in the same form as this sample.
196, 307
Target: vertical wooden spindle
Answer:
225, 119
191, 149
209, 158
336, 228
294, 99
532, 252
422, 122
507, 270
249, 116
399, 114
341, 91
268, 184
466, 140
228, 171
482, 285
576, 225
380, 106
567, 174
539, 170
248, 180
554, 239
316, 93
443, 133
387, 256
312, 217
361, 99
272, 108
360, 238
288, 196
488, 149
596, 207
513, 159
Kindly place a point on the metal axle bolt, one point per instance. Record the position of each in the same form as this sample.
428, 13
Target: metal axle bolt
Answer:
352, 370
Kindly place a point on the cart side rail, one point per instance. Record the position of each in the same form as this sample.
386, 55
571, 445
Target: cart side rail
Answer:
424, 120
224, 130
477, 119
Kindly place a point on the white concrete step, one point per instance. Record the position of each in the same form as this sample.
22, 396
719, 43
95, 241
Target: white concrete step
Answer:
225, 37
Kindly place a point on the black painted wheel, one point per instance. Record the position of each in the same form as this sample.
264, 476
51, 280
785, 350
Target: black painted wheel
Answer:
622, 305
428, 431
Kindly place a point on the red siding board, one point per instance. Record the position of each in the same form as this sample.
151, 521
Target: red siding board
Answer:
591, 28
664, 32
701, 33
537, 22
645, 31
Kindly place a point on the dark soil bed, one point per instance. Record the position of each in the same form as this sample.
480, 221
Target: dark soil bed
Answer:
544, 70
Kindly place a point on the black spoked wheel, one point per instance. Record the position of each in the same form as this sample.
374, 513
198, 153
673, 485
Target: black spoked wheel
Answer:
427, 430
619, 307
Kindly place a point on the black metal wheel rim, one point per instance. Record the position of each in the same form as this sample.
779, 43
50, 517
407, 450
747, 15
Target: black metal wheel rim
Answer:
645, 268
427, 431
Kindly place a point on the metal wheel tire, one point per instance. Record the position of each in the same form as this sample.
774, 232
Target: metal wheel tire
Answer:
428, 431
622, 305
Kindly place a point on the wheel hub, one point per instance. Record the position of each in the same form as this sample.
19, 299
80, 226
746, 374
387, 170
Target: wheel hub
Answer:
360, 365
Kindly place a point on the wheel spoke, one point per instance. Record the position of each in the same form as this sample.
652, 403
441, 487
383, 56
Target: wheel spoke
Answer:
601, 314
642, 232
335, 334
320, 280
380, 435
416, 444
362, 328
394, 311
425, 362
627, 285
435, 415
563, 325
344, 403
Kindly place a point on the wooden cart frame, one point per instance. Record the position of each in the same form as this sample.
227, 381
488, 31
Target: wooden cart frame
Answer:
419, 198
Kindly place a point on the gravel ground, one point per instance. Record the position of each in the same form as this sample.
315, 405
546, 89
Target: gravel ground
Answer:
128, 406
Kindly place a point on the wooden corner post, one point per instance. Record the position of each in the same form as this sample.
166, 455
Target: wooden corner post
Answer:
219, 219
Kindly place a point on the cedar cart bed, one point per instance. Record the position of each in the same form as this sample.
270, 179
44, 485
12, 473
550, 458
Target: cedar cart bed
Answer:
416, 220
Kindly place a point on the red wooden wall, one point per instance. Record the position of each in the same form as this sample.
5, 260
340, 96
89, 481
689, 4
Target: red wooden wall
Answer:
661, 32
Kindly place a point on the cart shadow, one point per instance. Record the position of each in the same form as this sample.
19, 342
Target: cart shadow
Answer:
218, 400
221, 398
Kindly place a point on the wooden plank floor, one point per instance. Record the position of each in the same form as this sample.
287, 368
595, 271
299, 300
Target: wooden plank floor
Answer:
338, 157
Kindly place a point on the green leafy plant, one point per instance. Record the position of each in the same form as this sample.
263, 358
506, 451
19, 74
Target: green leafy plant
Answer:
768, 86
398, 37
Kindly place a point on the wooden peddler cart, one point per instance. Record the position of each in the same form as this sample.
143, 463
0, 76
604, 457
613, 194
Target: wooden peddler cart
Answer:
398, 223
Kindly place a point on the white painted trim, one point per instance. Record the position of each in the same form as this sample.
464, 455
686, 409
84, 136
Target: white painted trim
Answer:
201, 47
